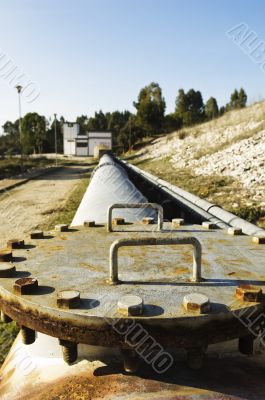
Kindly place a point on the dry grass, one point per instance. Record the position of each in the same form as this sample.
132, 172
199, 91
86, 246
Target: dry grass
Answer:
221, 190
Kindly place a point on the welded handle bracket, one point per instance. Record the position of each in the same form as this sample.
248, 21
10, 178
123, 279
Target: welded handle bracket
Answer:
155, 206
151, 241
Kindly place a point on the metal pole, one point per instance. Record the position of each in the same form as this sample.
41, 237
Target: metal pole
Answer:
19, 88
55, 139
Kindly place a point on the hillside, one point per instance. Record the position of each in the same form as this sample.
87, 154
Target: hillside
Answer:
222, 160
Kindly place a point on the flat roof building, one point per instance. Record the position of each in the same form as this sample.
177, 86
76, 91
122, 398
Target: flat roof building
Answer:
76, 144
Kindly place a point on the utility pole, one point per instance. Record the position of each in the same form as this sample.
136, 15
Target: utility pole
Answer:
55, 139
19, 89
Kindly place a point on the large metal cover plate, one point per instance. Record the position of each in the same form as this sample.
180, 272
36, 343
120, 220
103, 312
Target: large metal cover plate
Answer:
160, 275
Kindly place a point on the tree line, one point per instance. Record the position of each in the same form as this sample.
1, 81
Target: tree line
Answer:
37, 133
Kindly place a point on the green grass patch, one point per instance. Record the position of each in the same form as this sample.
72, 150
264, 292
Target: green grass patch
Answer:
8, 333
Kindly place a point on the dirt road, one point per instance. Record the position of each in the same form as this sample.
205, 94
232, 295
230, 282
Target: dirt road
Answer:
26, 206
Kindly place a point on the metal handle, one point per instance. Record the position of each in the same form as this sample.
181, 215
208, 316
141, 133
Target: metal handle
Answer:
197, 253
155, 206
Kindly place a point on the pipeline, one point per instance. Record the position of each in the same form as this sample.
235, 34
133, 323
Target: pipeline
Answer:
195, 204
179, 286
110, 184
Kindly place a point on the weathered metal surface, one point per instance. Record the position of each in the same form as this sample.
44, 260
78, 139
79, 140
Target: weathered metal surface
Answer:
79, 260
145, 206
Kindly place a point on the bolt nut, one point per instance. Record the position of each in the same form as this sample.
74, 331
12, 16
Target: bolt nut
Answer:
258, 239
89, 224
148, 221
6, 255
61, 227
249, 293
234, 231
118, 221
15, 244
208, 225
36, 235
130, 305
177, 222
68, 299
197, 302
25, 285
7, 270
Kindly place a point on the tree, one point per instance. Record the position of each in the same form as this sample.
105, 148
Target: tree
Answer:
211, 108
33, 128
49, 141
82, 121
190, 107
150, 108
238, 99
242, 98
171, 123
10, 141
222, 110
98, 123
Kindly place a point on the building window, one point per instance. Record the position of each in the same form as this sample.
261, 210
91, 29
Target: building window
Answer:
81, 144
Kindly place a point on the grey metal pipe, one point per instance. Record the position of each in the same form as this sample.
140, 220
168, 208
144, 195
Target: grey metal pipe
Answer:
224, 218
151, 241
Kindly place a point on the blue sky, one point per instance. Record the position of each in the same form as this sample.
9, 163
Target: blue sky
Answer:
97, 54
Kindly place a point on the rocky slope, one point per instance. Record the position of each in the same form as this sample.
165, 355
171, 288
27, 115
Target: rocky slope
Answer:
233, 145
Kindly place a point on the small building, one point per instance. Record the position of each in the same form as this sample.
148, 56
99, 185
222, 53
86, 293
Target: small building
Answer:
76, 144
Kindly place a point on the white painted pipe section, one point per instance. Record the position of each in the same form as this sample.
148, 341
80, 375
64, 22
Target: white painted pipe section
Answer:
28, 369
197, 204
110, 184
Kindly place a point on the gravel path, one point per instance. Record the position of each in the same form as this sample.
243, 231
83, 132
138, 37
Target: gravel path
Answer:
26, 206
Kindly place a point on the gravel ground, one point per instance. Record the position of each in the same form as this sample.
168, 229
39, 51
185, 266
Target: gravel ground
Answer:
26, 206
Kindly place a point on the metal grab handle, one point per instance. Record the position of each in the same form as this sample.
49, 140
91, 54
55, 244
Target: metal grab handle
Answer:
197, 253
155, 206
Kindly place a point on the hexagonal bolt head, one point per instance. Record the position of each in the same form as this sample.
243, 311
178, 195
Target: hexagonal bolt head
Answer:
249, 293
68, 299
148, 221
7, 270
234, 231
36, 235
5, 318
70, 352
130, 305
177, 222
208, 225
25, 285
197, 302
15, 244
6, 255
118, 221
28, 335
89, 224
61, 227
258, 239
